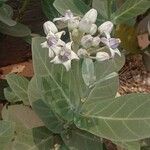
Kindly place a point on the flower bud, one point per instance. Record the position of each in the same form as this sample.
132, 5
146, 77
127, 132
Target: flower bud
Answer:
102, 56
96, 41
72, 24
85, 25
93, 29
49, 26
106, 27
91, 15
86, 41
82, 52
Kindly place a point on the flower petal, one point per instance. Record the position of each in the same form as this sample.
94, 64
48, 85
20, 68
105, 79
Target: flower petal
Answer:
56, 49
56, 60
105, 41
68, 45
51, 53
49, 26
74, 55
44, 45
67, 64
59, 34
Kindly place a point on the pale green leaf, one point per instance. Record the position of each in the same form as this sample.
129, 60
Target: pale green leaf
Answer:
104, 88
18, 30
103, 7
61, 88
125, 118
10, 95
135, 145
78, 7
51, 120
104, 68
6, 133
19, 86
130, 9
88, 71
6, 13
80, 140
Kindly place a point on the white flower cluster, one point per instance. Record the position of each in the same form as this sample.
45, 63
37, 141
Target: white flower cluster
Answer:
91, 37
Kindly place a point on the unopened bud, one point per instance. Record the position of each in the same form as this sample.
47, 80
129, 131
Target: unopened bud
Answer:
86, 41
106, 27
82, 52
49, 26
91, 15
93, 29
85, 25
102, 56
96, 41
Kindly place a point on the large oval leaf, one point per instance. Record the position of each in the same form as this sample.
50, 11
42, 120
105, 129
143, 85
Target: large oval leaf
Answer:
19, 86
130, 9
18, 30
61, 88
6, 13
80, 140
6, 133
126, 118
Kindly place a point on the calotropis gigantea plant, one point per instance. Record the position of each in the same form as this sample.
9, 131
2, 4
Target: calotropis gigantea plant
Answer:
73, 93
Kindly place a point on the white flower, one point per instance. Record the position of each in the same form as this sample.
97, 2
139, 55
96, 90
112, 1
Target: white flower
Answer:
53, 43
67, 16
65, 56
106, 28
102, 56
91, 15
86, 41
49, 26
112, 44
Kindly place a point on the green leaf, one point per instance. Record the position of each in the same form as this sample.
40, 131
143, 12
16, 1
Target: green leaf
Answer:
104, 68
130, 9
119, 119
135, 145
19, 30
38, 138
102, 7
63, 93
6, 13
45, 112
10, 95
48, 9
80, 140
79, 8
102, 89
51, 120
88, 71
19, 86
6, 133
